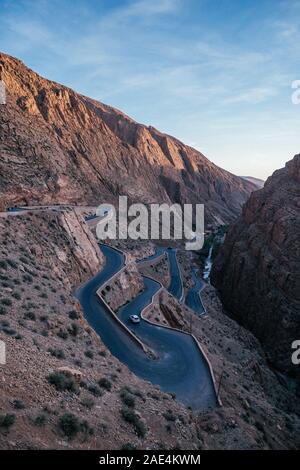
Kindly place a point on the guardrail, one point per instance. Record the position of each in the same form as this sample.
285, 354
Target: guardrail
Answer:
184, 332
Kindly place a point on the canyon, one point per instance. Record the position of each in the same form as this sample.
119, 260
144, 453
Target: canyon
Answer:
67, 153
58, 146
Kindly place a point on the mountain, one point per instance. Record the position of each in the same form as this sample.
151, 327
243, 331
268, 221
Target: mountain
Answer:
257, 270
258, 182
59, 146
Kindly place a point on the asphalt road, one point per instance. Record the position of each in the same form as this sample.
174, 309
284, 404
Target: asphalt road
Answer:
175, 288
179, 367
193, 299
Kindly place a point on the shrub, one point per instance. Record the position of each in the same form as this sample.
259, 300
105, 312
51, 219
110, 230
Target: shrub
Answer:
40, 420
12, 263
105, 383
74, 329
62, 334
19, 404
88, 403
94, 390
69, 424
3, 264
86, 428
58, 353
2, 310
6, 421
131, 417
27, 278
62, 382
30, 316
8, 331
16, 295
128, 446
88, 353
6, 302
73, 315
127, 398
168, 415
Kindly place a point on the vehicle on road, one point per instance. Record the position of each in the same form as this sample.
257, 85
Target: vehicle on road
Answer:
135, 318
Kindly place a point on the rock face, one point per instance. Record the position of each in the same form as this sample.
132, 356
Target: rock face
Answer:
257, 270
59, 146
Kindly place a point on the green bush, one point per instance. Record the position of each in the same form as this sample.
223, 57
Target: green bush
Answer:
88, 403
131, 417
88, 353
40, 420
12, 263
7, 302
74, 329
69, 424
127, 398
62, 382
16, 295
2, 310
58, 353
73, 315
95, 390
62, 334
19, 404
105, 383
86, 429
168, 415
3, 264
6, 421
30, 316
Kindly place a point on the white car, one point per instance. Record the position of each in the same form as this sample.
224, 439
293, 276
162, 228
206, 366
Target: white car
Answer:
135, 318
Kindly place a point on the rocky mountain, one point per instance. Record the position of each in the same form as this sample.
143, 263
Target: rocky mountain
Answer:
59, 146
257, 270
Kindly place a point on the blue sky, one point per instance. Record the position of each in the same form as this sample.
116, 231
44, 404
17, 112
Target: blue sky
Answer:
217, 74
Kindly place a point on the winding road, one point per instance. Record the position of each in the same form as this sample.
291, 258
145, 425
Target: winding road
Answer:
193, 299
180, 367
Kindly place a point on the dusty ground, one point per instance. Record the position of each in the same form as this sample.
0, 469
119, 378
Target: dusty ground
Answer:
43, 329
42, 258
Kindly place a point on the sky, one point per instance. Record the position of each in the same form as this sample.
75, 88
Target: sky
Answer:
216, 74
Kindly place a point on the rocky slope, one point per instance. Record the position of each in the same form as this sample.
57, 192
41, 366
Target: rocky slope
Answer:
257, 269
44, 330
43, 257
59, 146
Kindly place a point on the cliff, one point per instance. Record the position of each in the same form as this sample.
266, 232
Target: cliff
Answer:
257, 269
59, 146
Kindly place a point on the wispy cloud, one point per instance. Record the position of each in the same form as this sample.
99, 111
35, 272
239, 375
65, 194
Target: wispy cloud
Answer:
190, 67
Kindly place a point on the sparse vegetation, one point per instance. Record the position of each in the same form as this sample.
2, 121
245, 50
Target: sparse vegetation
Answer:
62, 382
132, 417
6, 421
105, 383
58, 353
69, 424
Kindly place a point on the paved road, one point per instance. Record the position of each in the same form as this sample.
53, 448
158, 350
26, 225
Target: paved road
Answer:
179, 367
193, 299
175, 288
